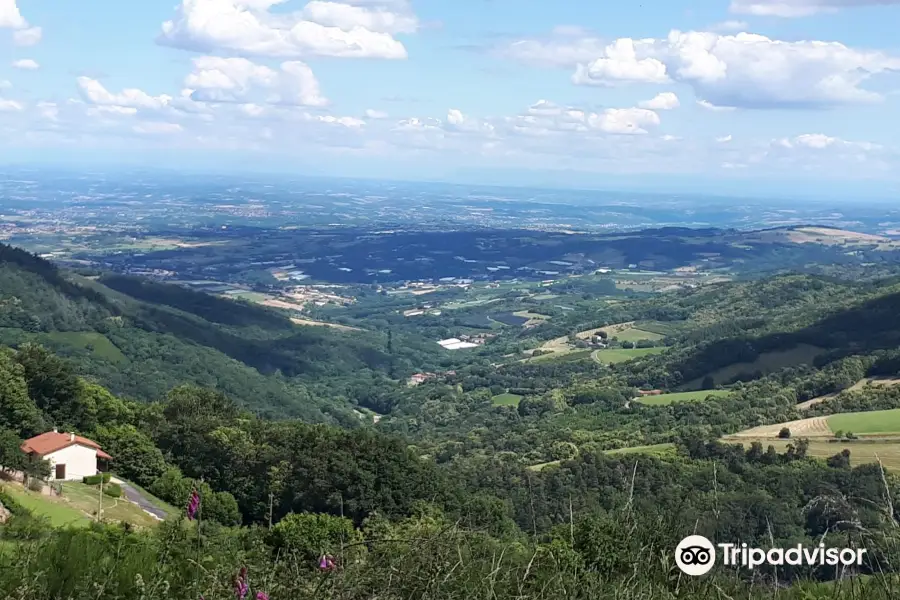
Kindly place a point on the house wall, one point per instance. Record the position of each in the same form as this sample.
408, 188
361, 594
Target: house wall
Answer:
80, 461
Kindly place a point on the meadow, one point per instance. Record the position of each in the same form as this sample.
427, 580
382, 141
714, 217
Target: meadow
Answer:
695, 396
618, 355
506, 399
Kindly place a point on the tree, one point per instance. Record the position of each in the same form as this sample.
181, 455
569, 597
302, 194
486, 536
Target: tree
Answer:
17, 412
312, 535
784, 433
52, 385
134, 455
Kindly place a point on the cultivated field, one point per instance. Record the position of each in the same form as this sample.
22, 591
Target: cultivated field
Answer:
765, 363
617, 355
861, 451
813, 427
876, 422
666, 399
627, 332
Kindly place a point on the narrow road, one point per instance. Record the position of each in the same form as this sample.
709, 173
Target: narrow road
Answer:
138, 498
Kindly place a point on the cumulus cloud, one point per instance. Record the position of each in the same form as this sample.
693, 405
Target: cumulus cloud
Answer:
128, 101
10, 17
663, 101
26, 64
724, 139
730, 26
371, 113
820, 141
247, 27
799, 8
217, 79
742, 70
620, 64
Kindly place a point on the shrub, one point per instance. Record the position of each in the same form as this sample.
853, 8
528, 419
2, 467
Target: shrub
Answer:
13, 505
785, 433
113, 490
96, 479
35, 485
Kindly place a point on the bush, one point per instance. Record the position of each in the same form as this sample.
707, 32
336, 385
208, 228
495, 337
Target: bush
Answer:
35, 485
785, 433
96, 479
313, 535
13, 505
113, 490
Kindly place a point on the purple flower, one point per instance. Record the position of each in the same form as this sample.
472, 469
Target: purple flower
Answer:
326, 563
193, 505
241, 584
262, 596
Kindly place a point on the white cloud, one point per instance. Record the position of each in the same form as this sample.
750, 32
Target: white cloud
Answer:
10, 17
26, 64
820, 141
347, 17
155, 128
216, 79
560, 50
4, 84
48, 110
799, 8
663, 101
10, 105
724, 139
129, 99
375, 114
620, 64
27, 37
742, 70
624, 120
714, 107
455, 117
349, 122
246, 27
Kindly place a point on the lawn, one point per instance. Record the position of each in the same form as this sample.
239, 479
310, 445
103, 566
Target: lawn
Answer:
666, 399
868, 423
618, 355
506, 399
86, 498
54, 509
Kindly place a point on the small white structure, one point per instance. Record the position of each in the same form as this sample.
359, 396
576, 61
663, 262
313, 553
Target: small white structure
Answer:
456, 344
71, 456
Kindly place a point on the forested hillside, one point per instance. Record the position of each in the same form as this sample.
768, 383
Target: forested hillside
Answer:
141, 339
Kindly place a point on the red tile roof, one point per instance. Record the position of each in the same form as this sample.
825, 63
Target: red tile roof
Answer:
52, 441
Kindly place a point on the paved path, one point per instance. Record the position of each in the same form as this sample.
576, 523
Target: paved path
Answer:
138, 498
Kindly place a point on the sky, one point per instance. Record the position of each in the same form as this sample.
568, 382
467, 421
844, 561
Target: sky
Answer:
744, 95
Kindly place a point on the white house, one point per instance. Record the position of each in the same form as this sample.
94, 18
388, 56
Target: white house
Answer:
71, 456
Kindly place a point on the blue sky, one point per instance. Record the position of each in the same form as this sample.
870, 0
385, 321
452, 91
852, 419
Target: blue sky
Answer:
749, 93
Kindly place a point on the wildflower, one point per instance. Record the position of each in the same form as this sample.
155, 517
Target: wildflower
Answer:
326, 563
241, 584
262, 596
193, 505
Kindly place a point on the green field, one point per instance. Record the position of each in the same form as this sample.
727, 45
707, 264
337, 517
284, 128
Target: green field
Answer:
867, 423
617, 355
506, 399
666, 399
562, 356
97, 343
57, 512
652, 450
765, 363
633, 334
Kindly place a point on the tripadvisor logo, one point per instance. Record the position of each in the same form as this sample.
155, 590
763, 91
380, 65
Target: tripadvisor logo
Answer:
695, 555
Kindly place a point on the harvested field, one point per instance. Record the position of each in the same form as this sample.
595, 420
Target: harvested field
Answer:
813, 427
859, 385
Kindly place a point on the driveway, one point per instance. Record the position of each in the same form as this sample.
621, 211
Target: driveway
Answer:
138, 498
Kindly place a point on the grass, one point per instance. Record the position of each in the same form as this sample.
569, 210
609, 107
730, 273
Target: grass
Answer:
861, 451
765, 363
54, 509
618, 355
96, 343
542, 466
867, 423
666, 399
652, 450
628, 332
86, 498
561, 356
506, 399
